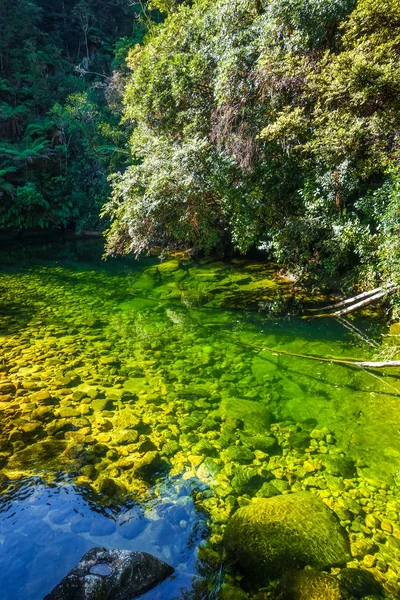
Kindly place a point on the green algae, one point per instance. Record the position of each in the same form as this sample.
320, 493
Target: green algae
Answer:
119, 373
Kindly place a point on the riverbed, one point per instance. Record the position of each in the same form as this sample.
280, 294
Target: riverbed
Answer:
132, 393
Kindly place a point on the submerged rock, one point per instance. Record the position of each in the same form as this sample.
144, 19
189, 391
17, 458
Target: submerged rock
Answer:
149, 466
40, 454
270, 535
310, 585
256, 418
111, 575
359, 583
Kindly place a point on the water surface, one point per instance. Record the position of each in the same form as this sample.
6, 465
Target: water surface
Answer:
133, 392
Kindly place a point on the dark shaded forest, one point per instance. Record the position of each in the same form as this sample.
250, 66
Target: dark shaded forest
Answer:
62, 70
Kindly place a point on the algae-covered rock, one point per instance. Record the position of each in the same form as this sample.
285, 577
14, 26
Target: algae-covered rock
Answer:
338, 465
359, 583
246, 481
204, 448
239, 454
43, 397
7, 388
288, 531
256, 418
149, 466
310, 585
37, 455
300, 440
101, 404
264, 443
268, 490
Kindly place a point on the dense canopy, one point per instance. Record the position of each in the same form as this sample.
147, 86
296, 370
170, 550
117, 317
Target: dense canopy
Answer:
272, 124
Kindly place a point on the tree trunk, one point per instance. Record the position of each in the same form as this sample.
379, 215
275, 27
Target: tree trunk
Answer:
365, 302
349, 300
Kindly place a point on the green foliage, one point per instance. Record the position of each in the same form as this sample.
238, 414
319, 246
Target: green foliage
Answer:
269, 123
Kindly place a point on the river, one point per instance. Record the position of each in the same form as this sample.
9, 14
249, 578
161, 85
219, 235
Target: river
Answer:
132, 393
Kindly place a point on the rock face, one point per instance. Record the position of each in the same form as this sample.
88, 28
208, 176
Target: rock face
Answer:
290, 531
111, 575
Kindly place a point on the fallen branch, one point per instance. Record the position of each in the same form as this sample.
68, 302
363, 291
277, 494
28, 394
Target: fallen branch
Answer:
361, 364
368, 299
355, 331
348, 300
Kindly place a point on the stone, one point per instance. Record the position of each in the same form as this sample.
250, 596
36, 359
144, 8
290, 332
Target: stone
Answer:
287, 531
42, 397
42, 413
7, 388
132, 574
239, 454
338, 465
108, 487
31, 428
264, 443
371, 521
68, 412
268, 490
299, 440
310, 585
256, 418
386, 526
204, 448
170, 448
359, 583
149, 466
101, 404
127, 437
246, 481
361, 548
40, 455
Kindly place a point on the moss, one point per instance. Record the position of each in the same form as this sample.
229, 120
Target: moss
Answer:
310, 585
286, 531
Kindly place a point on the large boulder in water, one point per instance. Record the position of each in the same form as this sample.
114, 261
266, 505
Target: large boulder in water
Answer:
111, 575
270, 535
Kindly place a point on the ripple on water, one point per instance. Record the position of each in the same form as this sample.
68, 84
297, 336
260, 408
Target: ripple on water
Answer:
41, 539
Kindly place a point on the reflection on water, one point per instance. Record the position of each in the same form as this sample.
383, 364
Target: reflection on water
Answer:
136, 399
45, 530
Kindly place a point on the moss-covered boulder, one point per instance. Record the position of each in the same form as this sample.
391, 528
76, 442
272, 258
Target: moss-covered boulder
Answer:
270, 535
310, 585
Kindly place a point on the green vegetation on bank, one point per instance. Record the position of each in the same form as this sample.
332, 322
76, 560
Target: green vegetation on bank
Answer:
267, 123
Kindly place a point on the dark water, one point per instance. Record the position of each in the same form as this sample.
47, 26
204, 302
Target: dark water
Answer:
119, 381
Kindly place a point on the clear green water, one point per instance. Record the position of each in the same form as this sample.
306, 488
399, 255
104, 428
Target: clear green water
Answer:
131, 393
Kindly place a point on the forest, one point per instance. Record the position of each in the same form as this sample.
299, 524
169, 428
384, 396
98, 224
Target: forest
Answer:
208, 125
